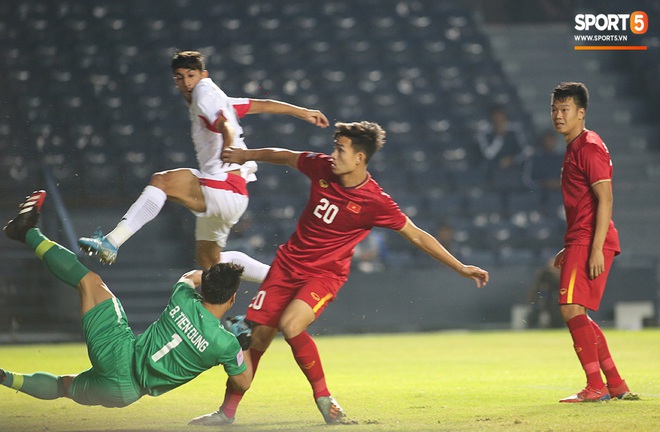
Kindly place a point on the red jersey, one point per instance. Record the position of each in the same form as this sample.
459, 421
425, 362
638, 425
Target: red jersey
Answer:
334, 220
587, 161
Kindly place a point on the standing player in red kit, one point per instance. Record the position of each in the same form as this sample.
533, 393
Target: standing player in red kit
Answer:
591, 241
345, 203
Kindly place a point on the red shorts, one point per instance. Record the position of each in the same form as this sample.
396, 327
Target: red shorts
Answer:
575, 287
282, 286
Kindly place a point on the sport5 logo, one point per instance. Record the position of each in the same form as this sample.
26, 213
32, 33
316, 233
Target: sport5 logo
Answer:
637, 21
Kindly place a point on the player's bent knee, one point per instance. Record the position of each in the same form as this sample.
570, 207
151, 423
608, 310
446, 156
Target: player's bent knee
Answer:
292, 328
93, 287
159, 180
66, 383
296, 318
90, 280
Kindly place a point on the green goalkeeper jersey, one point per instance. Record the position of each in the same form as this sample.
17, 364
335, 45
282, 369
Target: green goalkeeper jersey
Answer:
185, 341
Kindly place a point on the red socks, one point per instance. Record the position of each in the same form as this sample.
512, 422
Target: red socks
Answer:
605, 358
585, 343
307, 356
233, 398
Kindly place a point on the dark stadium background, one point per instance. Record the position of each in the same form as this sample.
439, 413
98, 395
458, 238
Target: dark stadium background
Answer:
88, 110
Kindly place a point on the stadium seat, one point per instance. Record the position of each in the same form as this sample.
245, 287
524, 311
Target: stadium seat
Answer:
523, 202
100, 175
546, 233
136, 169
469, 179
18, 170
467, 234
524, 208
446, 206
106, 94
517, 256
486, 203
501, 234
283, 206
480, 257
64, 172
507, 180
430, 180
412, 205
554, 205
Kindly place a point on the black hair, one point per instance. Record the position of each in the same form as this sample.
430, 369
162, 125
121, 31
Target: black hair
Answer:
575, 90
220, 282
188, 60
366, 137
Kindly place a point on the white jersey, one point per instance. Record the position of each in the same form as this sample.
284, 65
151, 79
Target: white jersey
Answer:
208, 102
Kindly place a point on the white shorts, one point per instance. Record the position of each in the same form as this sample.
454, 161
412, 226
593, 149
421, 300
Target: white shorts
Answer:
226, 200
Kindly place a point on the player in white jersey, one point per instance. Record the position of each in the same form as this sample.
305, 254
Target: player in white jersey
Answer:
216, 193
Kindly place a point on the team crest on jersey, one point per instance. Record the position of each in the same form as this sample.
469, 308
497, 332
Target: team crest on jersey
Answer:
324, 184
355, 208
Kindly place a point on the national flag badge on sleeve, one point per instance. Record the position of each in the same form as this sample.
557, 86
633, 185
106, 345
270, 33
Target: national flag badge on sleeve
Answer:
355, 208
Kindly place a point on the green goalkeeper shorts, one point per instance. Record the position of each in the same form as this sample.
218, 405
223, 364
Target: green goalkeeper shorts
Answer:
110, 381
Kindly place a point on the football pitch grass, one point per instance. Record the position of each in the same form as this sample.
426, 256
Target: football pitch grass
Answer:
442, 381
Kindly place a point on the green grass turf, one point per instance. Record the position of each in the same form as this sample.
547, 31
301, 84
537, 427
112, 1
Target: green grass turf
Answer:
446, 381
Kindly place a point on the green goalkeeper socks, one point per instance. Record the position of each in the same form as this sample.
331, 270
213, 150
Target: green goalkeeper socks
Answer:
61, 262
40, 385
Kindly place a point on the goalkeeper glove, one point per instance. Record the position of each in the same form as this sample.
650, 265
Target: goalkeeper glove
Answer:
241, 329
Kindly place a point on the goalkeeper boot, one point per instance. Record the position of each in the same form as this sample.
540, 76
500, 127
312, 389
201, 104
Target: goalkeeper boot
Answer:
28, 216
589, 394
330, 409
99, 245
217, 418
622, 392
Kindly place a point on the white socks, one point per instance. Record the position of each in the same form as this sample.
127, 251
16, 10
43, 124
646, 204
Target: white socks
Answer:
147, 207
254, 271
143, 210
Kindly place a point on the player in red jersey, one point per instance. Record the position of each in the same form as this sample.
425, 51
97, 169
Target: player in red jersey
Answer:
309, 269
591, 241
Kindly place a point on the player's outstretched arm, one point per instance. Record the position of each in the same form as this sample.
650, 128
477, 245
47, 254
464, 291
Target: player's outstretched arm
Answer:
427, 243
477, 274
315, 117
273, 155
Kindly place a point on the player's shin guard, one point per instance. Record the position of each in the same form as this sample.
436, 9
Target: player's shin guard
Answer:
144, 210
584, 342
40, 385
307, 356
61, 262
605, 358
